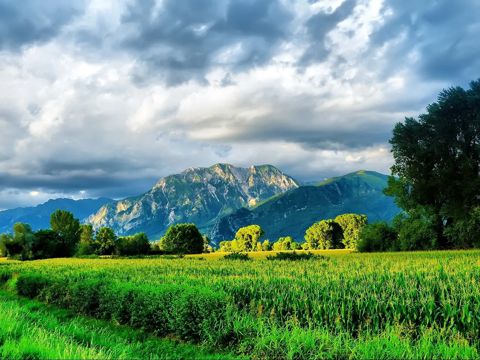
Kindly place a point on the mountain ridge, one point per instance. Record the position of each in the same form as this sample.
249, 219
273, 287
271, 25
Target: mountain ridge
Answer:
198, 195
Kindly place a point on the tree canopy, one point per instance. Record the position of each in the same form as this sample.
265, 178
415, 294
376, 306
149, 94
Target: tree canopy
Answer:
68, 230
182, 239
437, 160
325, 234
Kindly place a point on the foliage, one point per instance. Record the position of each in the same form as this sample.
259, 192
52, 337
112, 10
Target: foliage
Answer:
402, 305
377, 237
45, 244
292, 256
416, 231
247, 237
325, 234
182, 239
465, 233
137, 244
68, 230
351, 225
105, 241
237, 256
86, 245
285, 243
437, 160
32, 330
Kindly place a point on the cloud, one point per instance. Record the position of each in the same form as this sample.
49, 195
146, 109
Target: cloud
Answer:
103, 97
25, 22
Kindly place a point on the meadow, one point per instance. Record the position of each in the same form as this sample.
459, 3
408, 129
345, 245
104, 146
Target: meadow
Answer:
337, 305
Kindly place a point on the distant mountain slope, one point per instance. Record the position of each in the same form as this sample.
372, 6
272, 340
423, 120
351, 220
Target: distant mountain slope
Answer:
293, 212
39, 216
198, 195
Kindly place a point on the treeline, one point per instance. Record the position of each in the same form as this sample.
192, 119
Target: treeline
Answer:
67, 238
343, 232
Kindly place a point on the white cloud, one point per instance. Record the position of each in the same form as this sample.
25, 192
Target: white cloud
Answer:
87, 113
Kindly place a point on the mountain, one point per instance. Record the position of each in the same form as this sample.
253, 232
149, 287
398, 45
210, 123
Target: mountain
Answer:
291, 213
198, 195
39, 216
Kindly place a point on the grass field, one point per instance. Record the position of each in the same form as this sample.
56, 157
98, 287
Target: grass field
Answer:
340, 305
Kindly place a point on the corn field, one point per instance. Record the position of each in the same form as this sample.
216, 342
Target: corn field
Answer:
339, 305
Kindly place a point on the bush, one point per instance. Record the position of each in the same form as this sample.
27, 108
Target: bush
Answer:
237, 256
31, 285
415, 233
192, 313
294, 256
377, 237
465, 233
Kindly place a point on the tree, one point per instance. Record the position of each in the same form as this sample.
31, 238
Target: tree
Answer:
68, 229
20, 244
266, 245
45, 244
86, 246
182, 239
437, 160
416, 230
4, 239
377, 237
207, 248
137, 244
225, 246
105, 241
285, 243
465, 233
351, 225
247, 237
325, 234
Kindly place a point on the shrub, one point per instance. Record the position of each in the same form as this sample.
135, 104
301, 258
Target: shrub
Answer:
236, 256
294, 256
377, 237
30, 285
191, 313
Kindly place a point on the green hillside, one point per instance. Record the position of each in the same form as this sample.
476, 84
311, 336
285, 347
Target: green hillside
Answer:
291, 213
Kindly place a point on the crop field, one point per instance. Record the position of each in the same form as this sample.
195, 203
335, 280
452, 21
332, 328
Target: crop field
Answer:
336, 305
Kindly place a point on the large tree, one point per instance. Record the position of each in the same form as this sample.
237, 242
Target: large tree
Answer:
352, 225
437, 159
182, 239
68, 230
247, 237
325, 234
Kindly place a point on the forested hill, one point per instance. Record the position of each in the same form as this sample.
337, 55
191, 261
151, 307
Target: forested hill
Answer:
293, 212
39, 216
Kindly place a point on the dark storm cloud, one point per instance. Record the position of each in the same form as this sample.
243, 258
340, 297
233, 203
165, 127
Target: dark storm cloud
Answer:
182, 40
320, 25
444, 33
23, 22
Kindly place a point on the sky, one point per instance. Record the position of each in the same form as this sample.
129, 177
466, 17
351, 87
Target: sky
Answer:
104, 97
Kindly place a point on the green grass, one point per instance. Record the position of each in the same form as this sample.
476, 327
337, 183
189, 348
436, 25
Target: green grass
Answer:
32, 330
341, 305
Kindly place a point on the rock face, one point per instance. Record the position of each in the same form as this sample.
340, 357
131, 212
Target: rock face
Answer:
198, 195
291, 213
